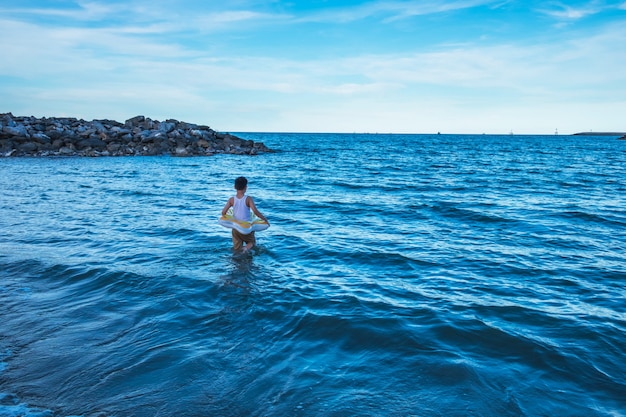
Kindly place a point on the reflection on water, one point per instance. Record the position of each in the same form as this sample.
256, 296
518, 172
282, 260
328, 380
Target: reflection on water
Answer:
240, 271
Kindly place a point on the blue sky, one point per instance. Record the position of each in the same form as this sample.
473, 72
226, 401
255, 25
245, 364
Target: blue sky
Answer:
464, 66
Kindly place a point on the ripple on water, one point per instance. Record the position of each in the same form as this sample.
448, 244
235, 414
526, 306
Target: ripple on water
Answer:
474, 275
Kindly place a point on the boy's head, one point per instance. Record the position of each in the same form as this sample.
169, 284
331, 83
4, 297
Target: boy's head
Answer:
241, 183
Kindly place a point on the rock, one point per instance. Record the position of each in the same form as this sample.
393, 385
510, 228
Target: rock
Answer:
134, 121
99, 127
28, 147
113, 147
55, 133
180, 151
91, 143
18, 130
157, 135
66, 151
119, 130
41, 138
166, 127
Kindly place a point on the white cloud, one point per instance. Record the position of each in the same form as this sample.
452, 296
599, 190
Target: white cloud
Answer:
84, 11
232, 16
390, 10
226, 20
568, 12
140, 17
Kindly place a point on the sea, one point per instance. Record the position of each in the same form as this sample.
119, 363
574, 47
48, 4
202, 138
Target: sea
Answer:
402, 275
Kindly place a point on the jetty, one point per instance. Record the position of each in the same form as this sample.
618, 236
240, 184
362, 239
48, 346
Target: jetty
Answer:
138, 136
618, 134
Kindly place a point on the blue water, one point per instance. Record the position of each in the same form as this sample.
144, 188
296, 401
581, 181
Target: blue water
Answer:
403, 275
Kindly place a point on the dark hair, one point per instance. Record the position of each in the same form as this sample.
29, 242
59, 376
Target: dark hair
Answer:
241, 183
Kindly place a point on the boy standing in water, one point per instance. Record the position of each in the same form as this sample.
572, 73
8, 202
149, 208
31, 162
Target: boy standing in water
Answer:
242, 204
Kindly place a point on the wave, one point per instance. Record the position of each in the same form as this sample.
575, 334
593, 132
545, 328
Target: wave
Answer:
458, 278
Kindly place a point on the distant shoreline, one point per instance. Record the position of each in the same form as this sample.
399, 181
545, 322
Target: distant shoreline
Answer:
600, 134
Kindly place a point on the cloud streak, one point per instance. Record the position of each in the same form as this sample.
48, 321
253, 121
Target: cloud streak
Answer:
389, 11
562, 11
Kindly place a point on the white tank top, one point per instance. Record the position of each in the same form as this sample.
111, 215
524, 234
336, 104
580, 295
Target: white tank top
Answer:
240, 210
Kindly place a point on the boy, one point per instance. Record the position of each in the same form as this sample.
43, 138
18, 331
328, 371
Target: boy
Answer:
242, 204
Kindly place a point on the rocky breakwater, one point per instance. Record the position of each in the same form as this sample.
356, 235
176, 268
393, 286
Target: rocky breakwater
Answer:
58, 136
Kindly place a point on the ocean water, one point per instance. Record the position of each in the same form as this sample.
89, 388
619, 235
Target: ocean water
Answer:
403, 275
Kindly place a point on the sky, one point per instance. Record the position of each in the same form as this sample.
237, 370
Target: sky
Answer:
378, 66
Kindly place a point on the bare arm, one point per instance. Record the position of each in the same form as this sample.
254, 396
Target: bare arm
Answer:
228, 205
255, 210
